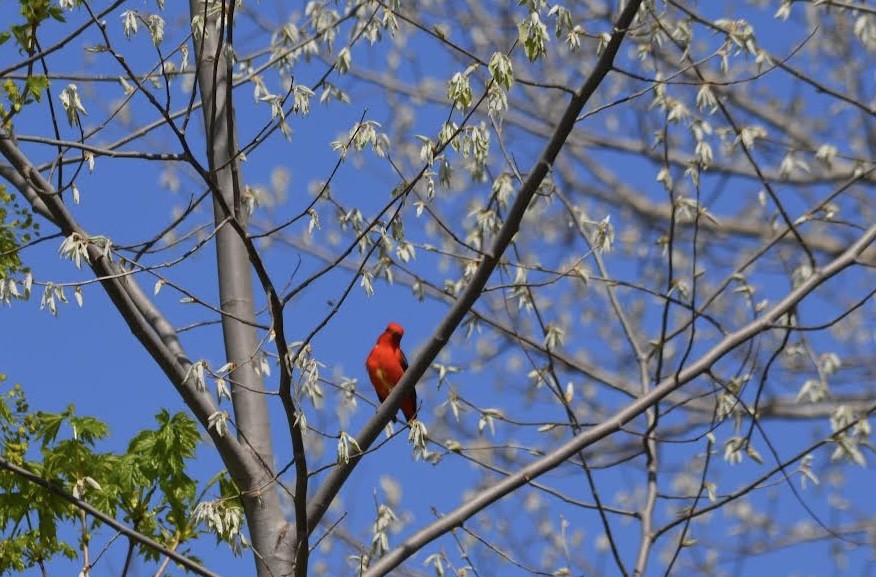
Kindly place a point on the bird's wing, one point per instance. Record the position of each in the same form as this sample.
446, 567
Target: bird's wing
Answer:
403, 359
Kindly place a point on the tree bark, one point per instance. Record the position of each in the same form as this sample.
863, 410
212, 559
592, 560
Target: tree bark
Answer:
261, 500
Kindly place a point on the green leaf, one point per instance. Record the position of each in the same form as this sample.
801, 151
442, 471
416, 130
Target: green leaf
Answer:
36, 85
146, 487
48, 427
16, 228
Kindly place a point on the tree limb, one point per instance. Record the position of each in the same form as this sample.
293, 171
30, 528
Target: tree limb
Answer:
674, 382
97, 514
321, 500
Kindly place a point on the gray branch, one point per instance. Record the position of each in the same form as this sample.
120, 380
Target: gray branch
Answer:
503, 488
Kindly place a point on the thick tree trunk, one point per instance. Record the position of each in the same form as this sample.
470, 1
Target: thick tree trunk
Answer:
263, 511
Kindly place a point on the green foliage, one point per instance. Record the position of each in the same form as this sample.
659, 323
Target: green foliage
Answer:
28, 514
146, 486
16, 228
17, 98
34, 12
155, 460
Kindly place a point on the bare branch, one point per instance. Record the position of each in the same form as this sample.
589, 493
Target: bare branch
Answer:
625, 415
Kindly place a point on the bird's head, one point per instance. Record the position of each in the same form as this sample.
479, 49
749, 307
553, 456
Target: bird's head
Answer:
395, 330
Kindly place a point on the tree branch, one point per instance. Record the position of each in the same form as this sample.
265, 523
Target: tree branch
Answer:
321, 500
622, 417
121, 528
144, 320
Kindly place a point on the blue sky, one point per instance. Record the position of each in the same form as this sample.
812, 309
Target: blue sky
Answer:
87, 356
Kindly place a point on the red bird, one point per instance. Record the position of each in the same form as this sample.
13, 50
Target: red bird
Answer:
386, 364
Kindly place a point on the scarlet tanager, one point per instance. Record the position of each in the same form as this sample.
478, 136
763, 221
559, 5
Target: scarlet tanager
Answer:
386, 364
